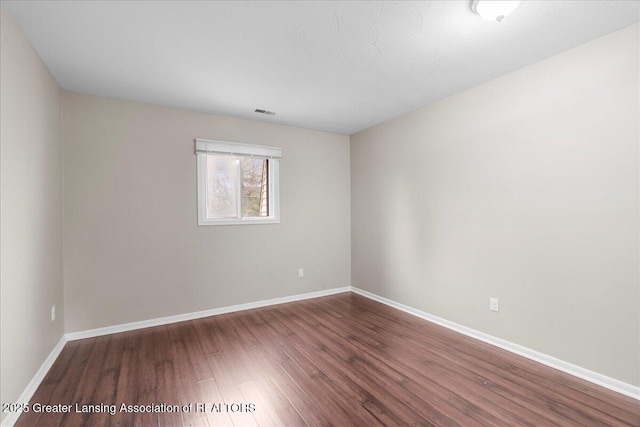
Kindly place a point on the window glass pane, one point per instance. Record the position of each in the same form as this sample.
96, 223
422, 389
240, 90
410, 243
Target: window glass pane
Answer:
222, 186
255, 187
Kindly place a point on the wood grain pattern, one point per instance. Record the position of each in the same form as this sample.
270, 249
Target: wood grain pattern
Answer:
341, 360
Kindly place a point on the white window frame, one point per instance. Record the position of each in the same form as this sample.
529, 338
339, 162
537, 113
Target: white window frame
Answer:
273, 154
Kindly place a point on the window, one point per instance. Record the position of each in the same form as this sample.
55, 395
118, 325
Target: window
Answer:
237, 183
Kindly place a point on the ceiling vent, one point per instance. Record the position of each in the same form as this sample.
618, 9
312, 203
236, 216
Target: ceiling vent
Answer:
268, 113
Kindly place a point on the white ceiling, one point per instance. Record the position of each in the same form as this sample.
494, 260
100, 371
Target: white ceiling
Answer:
335, 66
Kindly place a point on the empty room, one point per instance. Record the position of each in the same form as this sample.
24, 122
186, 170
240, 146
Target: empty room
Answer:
320, 213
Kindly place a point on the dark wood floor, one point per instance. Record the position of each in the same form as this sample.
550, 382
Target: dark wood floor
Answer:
341, 360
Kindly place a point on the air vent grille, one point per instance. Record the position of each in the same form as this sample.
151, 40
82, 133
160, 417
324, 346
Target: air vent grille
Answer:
268, 113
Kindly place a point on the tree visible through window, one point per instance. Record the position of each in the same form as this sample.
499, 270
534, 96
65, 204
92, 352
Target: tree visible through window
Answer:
255, 187
237, 187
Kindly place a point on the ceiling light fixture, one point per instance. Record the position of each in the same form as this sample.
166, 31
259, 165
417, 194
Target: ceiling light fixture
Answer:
494, 10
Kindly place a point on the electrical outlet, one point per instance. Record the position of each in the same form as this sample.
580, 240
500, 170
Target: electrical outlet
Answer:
53, 313
494, 304
300, 272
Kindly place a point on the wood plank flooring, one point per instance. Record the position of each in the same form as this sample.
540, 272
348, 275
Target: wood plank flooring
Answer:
340, 360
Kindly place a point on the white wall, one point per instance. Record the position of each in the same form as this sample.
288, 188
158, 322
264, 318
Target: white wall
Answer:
524, 188
133, 250
30, 211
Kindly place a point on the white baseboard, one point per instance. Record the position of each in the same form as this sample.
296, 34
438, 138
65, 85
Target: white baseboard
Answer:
33, 385
569, 368
199, 314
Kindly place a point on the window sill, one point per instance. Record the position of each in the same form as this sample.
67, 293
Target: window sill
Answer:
238, 221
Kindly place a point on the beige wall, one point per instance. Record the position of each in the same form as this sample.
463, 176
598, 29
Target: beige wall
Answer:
30, 211
133, 250
524, 188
